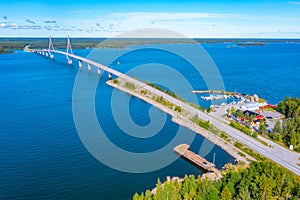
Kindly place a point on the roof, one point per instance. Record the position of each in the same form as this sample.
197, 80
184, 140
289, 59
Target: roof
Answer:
254, 105
250, 112
259, 117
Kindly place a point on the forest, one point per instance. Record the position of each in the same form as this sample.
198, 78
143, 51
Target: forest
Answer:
288, 132
261, 181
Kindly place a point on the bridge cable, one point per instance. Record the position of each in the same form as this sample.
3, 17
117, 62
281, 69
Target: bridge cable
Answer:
69, 51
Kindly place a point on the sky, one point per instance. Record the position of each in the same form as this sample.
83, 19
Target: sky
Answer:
109, 18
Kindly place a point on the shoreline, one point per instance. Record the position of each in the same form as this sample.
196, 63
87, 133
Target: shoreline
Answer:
185, 122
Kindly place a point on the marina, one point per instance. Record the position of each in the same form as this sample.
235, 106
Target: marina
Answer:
216, 97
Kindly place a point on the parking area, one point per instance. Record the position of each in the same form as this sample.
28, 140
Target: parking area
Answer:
271, 117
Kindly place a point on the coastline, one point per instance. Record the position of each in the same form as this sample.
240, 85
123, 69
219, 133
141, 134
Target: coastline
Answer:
185, 122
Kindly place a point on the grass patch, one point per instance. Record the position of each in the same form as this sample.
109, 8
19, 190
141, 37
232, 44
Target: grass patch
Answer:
200, 122
242, 154
264, 143
164, 102
249, 152
129, 85
172, 94
253, 154
224, 136
238, 145
241, 128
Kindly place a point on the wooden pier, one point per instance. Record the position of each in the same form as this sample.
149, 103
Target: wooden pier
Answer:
212, 92
183, 150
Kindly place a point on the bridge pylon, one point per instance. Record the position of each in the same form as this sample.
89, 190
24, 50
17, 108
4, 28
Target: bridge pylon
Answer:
69, 51
51, 48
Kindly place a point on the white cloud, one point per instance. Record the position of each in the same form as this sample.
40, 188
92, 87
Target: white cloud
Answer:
191, 24
295, 2
166, 16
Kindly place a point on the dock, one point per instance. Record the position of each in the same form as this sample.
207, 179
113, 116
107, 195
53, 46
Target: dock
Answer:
216, 97
212, 92
183, 150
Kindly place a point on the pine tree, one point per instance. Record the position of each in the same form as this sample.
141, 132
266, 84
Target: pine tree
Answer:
243, 194
148, 195
226, 194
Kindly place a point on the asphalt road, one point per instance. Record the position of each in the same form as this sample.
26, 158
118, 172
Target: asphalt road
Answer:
277, 153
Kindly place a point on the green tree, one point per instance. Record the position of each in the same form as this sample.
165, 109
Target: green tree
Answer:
290, 107
243, 194
213, 194
263, 180
239, 114
148, 195
233, 110
226, 194
138, 197
262, 128
159, 192
293, 138
247, 116
277, 128
178, 109
277, 134
186, 186
208, 109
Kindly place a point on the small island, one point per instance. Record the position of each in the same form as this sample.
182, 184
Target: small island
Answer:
5, 51
249, 44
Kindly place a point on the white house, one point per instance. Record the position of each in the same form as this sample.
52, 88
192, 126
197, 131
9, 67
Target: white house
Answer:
252, 106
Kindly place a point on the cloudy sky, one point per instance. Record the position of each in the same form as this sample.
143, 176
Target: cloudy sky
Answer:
108, 18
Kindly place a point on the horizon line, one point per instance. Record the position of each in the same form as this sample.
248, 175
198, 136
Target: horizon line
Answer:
84, 37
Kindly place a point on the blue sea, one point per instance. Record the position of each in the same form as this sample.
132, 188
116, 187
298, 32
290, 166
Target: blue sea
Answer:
41, 154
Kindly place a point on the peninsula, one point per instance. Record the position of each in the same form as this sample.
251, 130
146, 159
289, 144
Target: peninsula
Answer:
210, 127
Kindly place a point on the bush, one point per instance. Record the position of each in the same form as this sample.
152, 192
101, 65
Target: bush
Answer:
178, 108
130, 85
241, 128
238, 145
254, 134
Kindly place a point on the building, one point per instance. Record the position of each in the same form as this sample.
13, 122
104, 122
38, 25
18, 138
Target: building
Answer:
252, 106
257, 118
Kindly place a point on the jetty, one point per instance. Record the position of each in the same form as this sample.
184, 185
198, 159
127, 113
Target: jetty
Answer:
217, 97
183, 150
212, 92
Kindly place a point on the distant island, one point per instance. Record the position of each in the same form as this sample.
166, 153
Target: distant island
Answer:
5, 51
252, 44
10, 44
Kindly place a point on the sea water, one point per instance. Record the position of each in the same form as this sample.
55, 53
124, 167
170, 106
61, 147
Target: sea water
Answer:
41, 154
